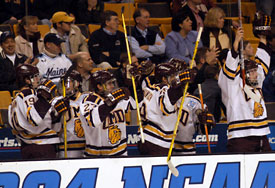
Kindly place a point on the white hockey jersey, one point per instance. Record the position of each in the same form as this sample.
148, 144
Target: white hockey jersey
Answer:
159, 115
245, 116
187, 126
107, 138
75, 132
22, 121
53, 68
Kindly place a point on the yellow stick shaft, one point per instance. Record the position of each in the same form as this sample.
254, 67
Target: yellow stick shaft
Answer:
183, 97
205, 126
64, 124
133, 79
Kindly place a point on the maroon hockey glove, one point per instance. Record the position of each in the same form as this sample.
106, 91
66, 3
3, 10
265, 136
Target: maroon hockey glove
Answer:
62, 105
146, 67
117, 95
207, 118
179, 64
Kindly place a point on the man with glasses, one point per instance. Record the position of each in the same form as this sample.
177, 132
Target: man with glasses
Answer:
74, 40
145, 42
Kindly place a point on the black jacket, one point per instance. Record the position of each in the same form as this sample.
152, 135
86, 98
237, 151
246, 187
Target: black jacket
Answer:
100, 42
7, 71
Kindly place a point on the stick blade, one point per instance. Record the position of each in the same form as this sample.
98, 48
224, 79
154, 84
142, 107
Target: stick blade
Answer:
172, 168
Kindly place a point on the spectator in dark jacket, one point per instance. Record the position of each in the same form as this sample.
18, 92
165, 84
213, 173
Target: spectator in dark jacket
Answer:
11, 11
88, 11
107, 43
9, 60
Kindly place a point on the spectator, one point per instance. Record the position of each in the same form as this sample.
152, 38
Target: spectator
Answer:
269, 82
11, 11
214, 34
180, 42
71, 34
29, 41
9, 60
88, 11
196, 16
144, 42
52, 62
107, 43
211, 91
84, 65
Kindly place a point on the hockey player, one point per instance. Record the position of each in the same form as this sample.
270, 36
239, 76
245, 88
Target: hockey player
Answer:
158, 110
246, 112
75, 132
104, 115
37, 140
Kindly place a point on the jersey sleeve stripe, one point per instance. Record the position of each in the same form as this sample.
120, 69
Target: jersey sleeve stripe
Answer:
29, 118
260, 62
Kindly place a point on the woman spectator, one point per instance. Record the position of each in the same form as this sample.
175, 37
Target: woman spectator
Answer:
214, 34
88, 11
180, 42
29, 41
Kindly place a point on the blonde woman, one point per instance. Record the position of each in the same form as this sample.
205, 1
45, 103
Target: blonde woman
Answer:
215, 34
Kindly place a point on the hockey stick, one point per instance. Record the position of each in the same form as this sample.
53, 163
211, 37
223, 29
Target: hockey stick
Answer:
174, 171
133, 79
64, 123
241, 43
205, 126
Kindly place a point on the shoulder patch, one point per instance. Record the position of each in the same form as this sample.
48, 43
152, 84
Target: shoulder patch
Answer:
191, 104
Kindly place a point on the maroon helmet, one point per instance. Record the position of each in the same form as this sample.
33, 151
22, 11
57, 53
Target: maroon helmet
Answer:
164, 70
251, 66
25, 71
261, 24
71, 77
101, 77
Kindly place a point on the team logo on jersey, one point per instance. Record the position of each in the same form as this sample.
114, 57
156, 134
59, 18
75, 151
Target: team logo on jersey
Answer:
258, 110
78, 129
114, 134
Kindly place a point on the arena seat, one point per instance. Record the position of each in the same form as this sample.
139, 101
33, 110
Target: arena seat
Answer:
248, 34
4, 106
129, 9
84, 30
165, 29
157, 10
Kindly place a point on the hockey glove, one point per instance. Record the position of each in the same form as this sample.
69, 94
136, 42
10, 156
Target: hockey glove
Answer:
179, 64
146, 67
132, 71
207, 118
46, 89
117, 95
62, 105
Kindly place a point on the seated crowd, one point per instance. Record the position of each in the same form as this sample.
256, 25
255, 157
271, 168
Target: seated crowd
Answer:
85, 86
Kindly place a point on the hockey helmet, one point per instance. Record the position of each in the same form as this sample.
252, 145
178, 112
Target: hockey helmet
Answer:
72, 83
261, 24
251, 75
104, 78
164, 70
30, 72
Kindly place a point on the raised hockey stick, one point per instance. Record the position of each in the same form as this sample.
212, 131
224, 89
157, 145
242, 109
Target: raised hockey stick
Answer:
205, 126
133, 79
174, 171
64, 123
241, 43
